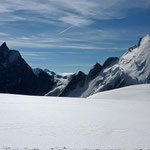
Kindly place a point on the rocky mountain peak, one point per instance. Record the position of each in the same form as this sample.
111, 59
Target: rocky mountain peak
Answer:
4, 47
110, 61
95, 70
97, 65
80, 73
17, 77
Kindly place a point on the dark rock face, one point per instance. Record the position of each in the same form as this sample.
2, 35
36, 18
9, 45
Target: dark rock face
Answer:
139, 43
17, 77
131, 48
77, 80
110, 61
97, 68
45, 82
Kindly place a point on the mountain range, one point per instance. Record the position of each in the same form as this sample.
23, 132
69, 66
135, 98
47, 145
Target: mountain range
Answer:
17, 77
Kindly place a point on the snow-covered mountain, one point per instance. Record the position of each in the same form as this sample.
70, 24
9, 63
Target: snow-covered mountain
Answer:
61, 80
111, 120
16, 76
131, 68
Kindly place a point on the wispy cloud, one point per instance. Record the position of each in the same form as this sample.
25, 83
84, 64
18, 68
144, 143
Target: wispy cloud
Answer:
94, 39
86, 47
3, 34
16, 43
34, 55
50, 29
75, 20
67, 11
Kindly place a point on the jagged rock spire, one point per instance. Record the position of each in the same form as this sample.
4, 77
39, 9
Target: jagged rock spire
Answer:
4, 47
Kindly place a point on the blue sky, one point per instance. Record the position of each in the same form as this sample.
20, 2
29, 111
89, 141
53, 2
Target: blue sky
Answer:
72, 35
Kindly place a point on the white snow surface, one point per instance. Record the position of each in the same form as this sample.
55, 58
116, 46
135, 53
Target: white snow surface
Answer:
137, 62
117, 119
134, 92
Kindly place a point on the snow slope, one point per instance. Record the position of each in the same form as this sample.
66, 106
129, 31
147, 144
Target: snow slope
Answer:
100, 122
61, 80
136, 62
134, 92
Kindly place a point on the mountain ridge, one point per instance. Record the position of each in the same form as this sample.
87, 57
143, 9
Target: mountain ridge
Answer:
131, 68
17, 77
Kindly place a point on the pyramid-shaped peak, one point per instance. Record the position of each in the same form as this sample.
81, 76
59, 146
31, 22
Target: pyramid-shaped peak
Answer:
4, 46
80, 73
97, 65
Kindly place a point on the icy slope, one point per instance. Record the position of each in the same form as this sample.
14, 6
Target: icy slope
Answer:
134, 92
75, 123
136, 62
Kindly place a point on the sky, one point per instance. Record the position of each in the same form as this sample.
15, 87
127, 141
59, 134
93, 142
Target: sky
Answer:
72, 35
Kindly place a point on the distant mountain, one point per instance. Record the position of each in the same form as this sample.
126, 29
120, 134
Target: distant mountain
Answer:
17, 77
131, 68
61, 80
